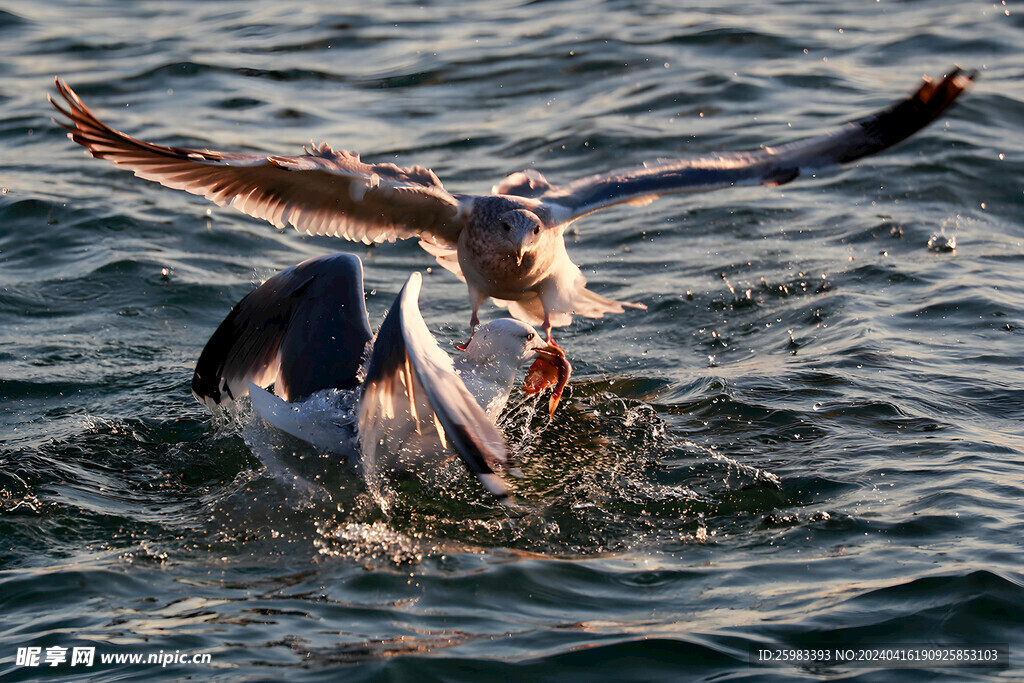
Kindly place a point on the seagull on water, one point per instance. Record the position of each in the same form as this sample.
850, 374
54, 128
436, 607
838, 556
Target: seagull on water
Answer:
508, 245
306, 329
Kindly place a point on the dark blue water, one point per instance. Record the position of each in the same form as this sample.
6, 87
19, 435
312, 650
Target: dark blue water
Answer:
813, 436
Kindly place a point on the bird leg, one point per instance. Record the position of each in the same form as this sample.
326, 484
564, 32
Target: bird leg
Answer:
476, 298
546, 328
474, 320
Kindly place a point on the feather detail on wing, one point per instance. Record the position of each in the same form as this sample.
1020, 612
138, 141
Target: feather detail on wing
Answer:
407, 366
766, 166
303, 330
321, 192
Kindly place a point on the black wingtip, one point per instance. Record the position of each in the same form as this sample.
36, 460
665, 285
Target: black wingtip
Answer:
936, 97
903, 119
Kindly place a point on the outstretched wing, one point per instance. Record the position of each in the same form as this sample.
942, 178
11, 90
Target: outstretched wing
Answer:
303, 330
410, 378
321, 192
766, 166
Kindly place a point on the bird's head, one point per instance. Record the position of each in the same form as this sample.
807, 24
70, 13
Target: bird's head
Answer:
502, 345
504, 341
521, 229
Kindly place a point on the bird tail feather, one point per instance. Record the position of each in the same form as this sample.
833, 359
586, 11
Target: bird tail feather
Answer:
581, 301
530, 310
592, 305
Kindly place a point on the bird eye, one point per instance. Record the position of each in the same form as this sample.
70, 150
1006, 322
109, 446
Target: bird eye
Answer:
530, 336
536, 231
508, 228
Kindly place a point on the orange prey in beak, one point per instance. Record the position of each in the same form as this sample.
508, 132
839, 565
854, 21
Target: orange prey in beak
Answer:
551, 367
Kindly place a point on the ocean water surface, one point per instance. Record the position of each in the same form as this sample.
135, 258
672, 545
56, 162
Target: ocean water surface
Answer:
812, 437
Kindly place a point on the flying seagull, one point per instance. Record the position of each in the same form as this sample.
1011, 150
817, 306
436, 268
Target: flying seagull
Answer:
508, 245
306, 329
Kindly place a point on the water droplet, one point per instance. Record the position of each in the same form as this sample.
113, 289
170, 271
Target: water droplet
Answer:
940, 243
